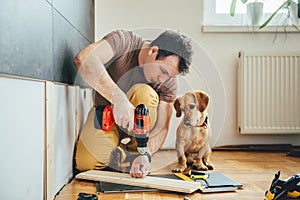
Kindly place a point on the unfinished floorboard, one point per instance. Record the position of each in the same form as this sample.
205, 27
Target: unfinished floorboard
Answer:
148, 181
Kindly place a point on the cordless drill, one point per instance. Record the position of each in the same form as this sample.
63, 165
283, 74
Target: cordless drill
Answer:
104, 120
141, 128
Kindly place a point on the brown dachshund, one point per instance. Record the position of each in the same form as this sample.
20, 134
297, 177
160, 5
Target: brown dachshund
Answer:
193, 134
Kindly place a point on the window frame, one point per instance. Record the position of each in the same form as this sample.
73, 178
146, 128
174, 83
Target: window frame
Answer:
223, 22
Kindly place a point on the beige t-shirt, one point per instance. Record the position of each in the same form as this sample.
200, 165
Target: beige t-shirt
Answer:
124, 70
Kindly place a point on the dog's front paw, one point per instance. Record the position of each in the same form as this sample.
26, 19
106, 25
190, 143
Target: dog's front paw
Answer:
210, 166
200, 167
179, 168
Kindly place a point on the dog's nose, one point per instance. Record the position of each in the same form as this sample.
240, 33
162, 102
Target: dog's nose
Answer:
187, 122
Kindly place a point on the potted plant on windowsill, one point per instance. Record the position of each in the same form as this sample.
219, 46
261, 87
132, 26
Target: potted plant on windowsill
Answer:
233, 5
254, 10
293, 12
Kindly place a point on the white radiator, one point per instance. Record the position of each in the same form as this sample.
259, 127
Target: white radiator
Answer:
269, 92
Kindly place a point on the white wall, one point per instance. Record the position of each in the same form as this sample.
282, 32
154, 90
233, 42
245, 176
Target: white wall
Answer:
22, 139
223, 48
39, 125
66, 110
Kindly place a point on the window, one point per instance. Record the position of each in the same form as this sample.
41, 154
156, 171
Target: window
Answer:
216, 12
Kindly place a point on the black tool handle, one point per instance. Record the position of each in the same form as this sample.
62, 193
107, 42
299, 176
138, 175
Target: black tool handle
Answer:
86, 196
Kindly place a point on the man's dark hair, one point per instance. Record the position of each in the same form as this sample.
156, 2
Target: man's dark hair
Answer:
174, 43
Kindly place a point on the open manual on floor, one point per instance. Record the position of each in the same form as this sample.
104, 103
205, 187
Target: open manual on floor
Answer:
113, 182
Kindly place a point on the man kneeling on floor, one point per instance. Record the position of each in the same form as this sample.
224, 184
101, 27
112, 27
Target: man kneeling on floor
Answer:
124, 71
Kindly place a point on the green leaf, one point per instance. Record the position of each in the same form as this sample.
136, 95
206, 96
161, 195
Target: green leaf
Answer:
274, 13
295, 27
244, 1
232, 8
298, 8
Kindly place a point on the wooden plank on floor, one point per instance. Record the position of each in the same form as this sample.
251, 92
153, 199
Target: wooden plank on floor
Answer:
148, 181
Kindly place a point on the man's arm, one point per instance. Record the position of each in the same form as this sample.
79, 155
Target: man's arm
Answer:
159, 133
90, 64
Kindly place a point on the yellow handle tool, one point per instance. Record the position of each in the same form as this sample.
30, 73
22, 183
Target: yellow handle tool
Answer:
194, 174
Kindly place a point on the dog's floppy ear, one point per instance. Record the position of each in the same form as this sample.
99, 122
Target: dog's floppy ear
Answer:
202, 100
177, 108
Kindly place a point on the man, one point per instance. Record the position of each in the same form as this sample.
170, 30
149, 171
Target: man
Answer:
124, 71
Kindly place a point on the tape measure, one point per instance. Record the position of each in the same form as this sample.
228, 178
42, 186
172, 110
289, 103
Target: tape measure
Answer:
184, 177
187, 178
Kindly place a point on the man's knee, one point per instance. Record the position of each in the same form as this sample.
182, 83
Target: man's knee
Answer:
143, 94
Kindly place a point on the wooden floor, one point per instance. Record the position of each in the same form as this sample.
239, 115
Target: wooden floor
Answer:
255, 170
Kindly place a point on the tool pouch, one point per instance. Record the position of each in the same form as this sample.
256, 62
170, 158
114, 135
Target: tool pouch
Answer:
98, 117
103, 119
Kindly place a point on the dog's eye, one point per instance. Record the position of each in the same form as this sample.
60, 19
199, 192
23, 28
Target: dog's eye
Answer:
191, 106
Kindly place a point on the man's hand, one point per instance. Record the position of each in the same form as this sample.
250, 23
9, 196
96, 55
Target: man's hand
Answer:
140, 167
123, 110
